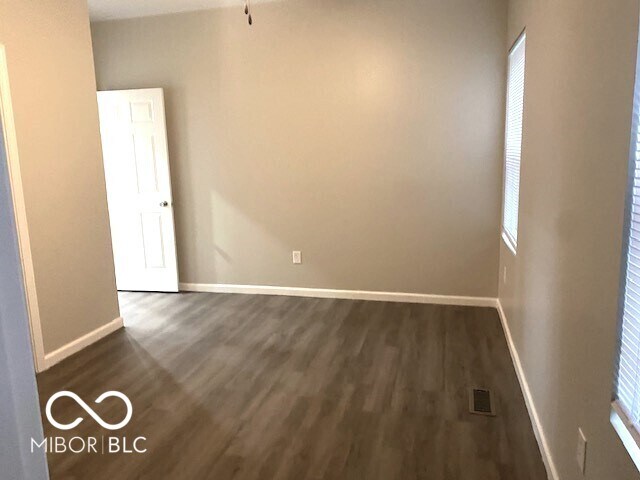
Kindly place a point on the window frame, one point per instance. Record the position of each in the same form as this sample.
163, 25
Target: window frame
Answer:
629, 436
509, 241
622, 424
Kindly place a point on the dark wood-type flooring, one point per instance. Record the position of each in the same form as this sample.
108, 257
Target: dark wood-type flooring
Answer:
263, 387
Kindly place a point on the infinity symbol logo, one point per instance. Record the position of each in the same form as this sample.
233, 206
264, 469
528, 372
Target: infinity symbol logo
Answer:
89, 410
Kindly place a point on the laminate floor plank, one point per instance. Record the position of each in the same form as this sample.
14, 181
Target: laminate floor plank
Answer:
250, 387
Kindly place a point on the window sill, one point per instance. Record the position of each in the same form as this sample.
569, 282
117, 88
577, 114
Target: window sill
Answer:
629, 436
509, 243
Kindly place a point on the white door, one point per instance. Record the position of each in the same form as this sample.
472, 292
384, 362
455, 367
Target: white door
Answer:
136, 165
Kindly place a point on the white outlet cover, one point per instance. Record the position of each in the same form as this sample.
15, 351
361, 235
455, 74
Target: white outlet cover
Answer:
297, 256
581, 451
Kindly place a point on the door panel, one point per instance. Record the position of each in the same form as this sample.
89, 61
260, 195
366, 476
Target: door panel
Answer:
136, 162
145, 161
152, 240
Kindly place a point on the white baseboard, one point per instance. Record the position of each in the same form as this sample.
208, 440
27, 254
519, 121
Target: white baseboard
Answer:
342, 294
547, 458
84, 341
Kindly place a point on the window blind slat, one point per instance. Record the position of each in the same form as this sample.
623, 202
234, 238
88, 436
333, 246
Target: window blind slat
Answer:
513, 140
627, 390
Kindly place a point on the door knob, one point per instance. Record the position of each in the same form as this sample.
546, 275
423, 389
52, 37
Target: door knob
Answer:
164, 204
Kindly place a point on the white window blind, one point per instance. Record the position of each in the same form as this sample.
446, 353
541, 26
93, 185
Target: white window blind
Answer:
627, 390
513, 140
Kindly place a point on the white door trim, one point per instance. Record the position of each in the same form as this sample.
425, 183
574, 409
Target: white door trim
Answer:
6, 117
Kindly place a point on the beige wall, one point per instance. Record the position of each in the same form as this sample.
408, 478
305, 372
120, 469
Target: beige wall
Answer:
368, 135
50, 63
561, 292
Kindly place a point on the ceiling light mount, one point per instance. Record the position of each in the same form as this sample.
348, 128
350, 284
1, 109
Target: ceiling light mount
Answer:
247, 11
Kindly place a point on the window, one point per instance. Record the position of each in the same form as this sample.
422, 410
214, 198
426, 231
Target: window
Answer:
626, 405
513, 143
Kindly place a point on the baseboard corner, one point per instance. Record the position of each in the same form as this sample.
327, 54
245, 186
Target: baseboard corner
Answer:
52, 358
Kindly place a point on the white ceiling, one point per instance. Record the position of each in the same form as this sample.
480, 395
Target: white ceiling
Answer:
112, 9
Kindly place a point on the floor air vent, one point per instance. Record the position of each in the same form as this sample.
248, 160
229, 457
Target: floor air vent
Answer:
481, 402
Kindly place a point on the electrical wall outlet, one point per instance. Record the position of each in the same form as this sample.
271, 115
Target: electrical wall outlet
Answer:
581, 452
297, 257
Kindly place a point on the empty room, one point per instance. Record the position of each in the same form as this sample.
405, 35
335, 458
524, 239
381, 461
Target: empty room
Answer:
302, 239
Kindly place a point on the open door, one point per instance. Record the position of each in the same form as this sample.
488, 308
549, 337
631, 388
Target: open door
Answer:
136, 165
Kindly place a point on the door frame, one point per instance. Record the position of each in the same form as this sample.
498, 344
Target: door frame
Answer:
19, 207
